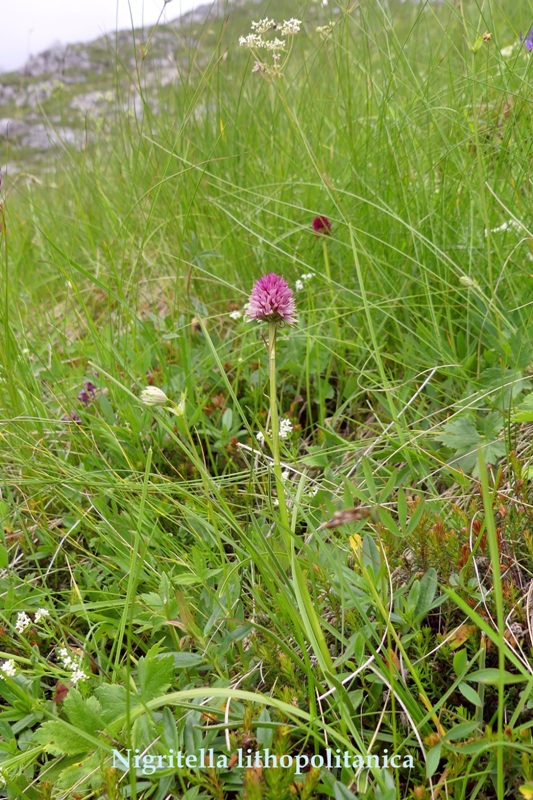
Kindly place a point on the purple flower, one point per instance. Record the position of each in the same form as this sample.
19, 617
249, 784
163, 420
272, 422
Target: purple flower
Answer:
272, 300
322, 225
88, 393
74, 417
528, 40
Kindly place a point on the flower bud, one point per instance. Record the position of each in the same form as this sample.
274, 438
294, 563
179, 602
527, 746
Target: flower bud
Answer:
152, 396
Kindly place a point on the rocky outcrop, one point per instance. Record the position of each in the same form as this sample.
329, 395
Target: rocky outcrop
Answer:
70, 71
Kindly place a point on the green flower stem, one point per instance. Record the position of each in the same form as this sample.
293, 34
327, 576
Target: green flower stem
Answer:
305, 603
331, 290
274, 424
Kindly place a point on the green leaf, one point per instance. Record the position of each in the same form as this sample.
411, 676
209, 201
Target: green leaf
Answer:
461, 731
460, 661
60, 739
432, 760
471, 695
81, 774
265, 731
187, 660
524, 412
341, 792
85, 717
170, 730
460, 434
83, 714
493, 676
192, 732
388, 522
371, 555
428, 589
156, 674
113, 701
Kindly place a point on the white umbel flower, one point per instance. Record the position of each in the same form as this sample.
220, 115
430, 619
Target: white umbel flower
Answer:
285, 428
78, 675
9, 668
23, 622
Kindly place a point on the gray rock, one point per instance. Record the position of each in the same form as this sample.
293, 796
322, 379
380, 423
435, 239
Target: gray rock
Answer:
57, 60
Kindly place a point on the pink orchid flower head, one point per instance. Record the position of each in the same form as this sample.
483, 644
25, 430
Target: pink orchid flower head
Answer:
272, 300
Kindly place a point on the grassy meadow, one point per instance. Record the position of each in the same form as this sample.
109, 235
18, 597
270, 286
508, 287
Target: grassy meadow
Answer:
169, 583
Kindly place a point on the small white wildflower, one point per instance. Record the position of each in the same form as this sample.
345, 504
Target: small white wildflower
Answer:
66, 658
285, 427
260, 437
298, 285
274, 45
508, 51
236, 314
152, 396
9, 668
285, 474
263, 25
23, 621
307, 276
325, 30
78, 675
511, 224
251, 41
291, 27
41, 614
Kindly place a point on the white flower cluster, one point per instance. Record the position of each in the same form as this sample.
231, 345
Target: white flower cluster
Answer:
252, 41
41, 613
263, 25
285, 428
302, 280
71, 664
510, 225
256, 41
237, 314
23, 622
291, 27
8, 668
325, 30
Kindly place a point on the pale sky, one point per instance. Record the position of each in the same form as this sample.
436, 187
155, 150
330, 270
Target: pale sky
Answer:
29, 26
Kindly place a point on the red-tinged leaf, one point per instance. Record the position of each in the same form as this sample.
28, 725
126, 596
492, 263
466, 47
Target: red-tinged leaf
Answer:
60, 692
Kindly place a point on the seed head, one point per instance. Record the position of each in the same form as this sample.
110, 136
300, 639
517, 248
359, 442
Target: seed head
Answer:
272, 300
